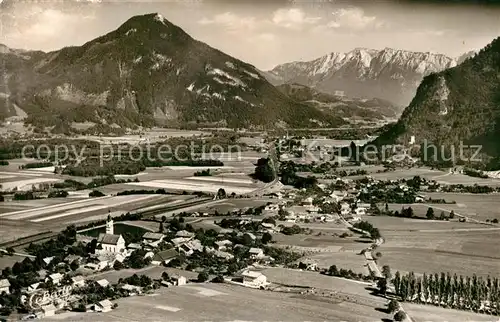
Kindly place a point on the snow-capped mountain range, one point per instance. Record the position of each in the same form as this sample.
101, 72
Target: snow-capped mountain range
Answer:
389, 74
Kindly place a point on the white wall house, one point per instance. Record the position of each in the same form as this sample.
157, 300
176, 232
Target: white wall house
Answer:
4, 286
254, 279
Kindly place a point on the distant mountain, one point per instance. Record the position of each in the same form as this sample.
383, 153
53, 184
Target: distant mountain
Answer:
458, 105
148, 71
352, 109
390, 74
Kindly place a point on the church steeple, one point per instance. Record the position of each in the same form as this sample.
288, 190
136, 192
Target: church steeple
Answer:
109, 226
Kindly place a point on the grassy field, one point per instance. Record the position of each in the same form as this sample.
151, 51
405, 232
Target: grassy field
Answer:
428, 313
222, 302
476, 206
432, 247
9, 261
14, 229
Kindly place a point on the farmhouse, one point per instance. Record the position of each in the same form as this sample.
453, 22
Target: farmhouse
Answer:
78, 281
178, 280
256, 253
254, 279
184, 234
4, 286
190, 247
164, 257
152, 238
103, 282
223, 244
55, 278
104, 306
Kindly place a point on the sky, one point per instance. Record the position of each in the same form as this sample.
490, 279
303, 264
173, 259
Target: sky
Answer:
264, 33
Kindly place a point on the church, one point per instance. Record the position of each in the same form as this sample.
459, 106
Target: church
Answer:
109, 242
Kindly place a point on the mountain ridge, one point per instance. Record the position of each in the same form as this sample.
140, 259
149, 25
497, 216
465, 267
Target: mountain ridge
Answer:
457, 106
145, 72
390, 74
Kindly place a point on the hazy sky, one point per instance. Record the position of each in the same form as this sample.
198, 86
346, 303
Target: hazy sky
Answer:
263, 33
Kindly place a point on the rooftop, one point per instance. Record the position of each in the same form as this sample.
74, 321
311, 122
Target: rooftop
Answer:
108, 239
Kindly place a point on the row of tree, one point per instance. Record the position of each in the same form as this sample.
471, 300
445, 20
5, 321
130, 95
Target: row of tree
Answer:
470, 293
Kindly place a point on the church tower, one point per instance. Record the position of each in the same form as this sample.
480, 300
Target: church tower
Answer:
109, 226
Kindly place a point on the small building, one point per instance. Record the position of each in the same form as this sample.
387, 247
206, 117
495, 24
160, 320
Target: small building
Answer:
164, 257
78, 281
47, 260
56, 278
4, 286
252, 236
134, 246
33, 287
360, 211
49, 310
272, 207
151, 237
254, 279
223, 244
103, 282
178, 280
256, 253
104, 306
190, 247
184, 234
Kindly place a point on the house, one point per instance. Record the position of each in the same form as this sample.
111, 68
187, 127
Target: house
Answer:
49, 310
134, 246
223, 244
269, 227
151, 237
178, 280
133, 289
224, 255
307, 202
345, 209
33, 287
47, 260
56, 278
190, 247
360, 211
104, 306
78, 281
272, 207
72, 258
184, 233
108, 243
4, 286
256, 253
254, 279
252, 236
164, 257
103, 282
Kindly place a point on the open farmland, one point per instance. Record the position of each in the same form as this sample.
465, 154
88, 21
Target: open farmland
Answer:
476, 206
72, 211
434, 247
222, 302
429, 313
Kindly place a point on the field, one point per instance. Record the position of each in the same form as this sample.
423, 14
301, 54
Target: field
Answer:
222, 302
441, 177
433, 247
428, 313
476, 206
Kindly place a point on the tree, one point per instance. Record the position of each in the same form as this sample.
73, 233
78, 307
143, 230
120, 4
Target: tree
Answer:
161, 229
382, 286
74, 265
203, 277
386, 271
392, 306
163, 218
165, 276
442, 216
266, 238
96, 193
10, 251
221, 193
386, 207
452, 215
430, 213
218, 279
400, 316
118, 265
